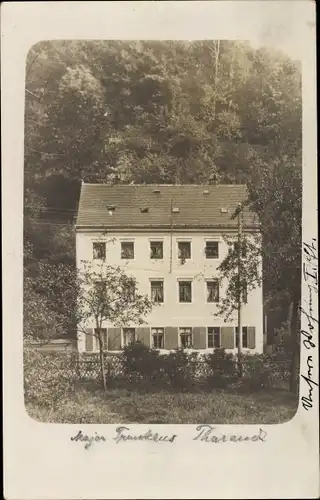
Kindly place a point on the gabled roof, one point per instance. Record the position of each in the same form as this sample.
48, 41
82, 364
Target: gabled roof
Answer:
161, 206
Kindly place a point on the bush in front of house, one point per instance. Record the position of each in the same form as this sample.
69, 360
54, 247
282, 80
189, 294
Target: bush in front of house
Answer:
141, 362
221, 368
47, 377
258, 371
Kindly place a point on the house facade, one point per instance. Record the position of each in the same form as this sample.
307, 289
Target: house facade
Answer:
171, 239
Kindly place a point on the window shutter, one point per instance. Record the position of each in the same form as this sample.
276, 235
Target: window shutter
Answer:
114, 339
251, 337
170, 337
199, 337
89, 339
227, 337
143, 334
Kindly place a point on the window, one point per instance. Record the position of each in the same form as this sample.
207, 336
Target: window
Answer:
184, 250
213, 291
214, 337
100, 287
103, 336
157, 338
244, 336
157, 291
185, 337
185, 294
129, 335
130, 291
236, 248
99, 251
127, 250
156, 250
212, 249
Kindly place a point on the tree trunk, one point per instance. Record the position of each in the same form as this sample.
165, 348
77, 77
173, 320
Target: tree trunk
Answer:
101, 357
295, 356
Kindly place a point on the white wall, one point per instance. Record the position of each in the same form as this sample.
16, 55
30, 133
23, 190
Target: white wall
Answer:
172, 312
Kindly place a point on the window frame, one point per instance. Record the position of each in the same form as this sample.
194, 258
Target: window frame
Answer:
157, 280
158, 242
103, 243
155, 331
182, 331
189, 281
207, 243
213, 333
127, 242
184, 242
123, 336
212, 280
236, 340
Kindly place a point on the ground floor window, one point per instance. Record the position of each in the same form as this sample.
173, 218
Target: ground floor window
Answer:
185, 337
103, 336
129, 336
244, 336
214, 340
157, 338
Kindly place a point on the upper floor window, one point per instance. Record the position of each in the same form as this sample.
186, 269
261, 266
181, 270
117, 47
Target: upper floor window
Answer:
185, 291
99, 250
212, 249
129, 336
213, 291
214, 340
157, 338
186, 337
157, 291
184, 250
244, 336
156, 250
235, 245
127, 250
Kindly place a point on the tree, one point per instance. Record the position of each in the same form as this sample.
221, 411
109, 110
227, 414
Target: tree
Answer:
241, 270
107, 294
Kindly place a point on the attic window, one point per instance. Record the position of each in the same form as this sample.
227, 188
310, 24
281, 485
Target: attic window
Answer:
205, 191
111, 208
224, 210
156, 190
176, 210
144, 210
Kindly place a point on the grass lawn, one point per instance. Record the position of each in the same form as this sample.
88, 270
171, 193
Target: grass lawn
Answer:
93, 406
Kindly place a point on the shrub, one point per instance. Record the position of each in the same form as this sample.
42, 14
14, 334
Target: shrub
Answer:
139, 361
258, 371
221, 368
179, 369
48, 377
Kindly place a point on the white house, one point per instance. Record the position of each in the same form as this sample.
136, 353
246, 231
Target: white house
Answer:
171, 238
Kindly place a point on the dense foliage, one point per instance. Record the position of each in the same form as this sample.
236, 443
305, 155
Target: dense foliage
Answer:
169, 112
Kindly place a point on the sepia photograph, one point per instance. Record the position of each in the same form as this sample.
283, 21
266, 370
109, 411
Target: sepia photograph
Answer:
162, 232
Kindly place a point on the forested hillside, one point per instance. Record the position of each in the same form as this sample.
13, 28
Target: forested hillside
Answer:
159, 112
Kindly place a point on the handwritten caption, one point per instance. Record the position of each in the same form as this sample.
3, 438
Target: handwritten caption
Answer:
203, 433
307, 309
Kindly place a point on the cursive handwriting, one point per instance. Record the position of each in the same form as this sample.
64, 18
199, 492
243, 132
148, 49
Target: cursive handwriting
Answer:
88, 440
122, 436
310, 276
206, 433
